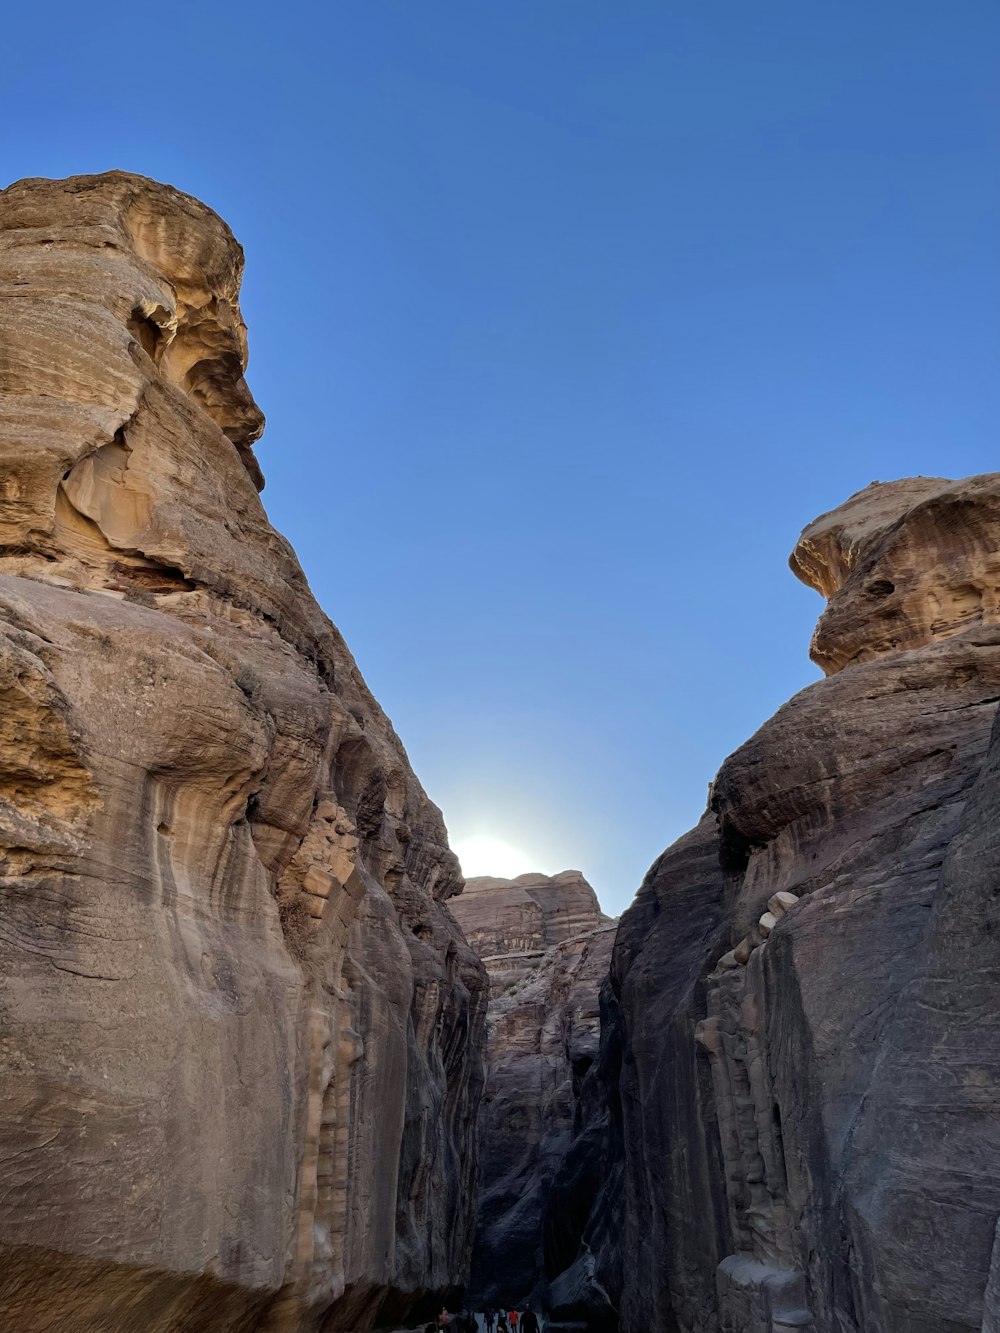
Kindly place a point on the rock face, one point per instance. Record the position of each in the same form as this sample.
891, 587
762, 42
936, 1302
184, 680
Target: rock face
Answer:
802, 1041
546, 945
240, 1054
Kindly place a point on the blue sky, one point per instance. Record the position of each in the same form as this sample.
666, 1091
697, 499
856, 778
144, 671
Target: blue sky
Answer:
566, 317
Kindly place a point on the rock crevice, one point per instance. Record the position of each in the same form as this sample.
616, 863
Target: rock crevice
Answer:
546, 945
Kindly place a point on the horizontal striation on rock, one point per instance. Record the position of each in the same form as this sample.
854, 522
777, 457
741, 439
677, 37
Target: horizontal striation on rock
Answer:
802, 997
240, 1064
546, 945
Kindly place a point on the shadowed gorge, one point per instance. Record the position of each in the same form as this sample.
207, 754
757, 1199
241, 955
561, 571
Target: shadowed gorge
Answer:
241, 1056
546, 945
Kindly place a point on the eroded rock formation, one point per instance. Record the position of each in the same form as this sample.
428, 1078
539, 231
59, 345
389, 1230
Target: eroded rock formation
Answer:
546, 945
802, 1045
240, 1057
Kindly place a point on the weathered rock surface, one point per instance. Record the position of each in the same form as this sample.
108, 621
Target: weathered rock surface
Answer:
803, 997
547, 946
512, 923
240, 1057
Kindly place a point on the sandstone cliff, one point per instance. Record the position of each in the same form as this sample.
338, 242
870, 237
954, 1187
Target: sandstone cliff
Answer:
240, 1054
547, 946
802, 1045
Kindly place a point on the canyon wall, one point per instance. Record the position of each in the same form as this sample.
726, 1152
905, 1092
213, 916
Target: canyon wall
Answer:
547, 946
800, 1070
240, 1057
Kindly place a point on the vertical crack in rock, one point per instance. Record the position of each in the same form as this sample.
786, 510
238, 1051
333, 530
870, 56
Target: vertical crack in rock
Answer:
240, 1065
546, 945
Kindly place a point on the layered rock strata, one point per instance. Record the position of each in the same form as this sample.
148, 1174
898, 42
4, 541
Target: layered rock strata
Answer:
547, 946
240, 1059
803, 1045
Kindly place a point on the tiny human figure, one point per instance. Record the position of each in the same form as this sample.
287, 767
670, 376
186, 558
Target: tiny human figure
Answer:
502, 1326
513, 1321
491, 1317
529, 1321
443, 1320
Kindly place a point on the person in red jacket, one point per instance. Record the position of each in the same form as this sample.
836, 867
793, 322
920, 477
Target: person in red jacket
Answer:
513, 1321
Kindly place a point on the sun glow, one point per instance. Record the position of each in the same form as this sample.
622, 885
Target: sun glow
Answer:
492, 856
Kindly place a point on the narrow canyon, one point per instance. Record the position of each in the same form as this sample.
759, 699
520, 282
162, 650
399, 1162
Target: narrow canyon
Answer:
267, 1063
546, 945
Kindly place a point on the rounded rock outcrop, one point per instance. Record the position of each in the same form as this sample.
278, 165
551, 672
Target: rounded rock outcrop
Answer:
241, 1060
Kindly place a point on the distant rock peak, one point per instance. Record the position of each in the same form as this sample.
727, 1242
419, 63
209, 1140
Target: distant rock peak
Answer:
526, 915
547, 948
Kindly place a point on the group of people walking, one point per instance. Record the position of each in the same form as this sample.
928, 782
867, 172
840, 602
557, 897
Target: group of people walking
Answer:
496, 1321
512, 1321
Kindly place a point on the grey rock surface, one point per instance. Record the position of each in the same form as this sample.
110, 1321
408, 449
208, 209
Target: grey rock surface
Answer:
547, 946
804, 994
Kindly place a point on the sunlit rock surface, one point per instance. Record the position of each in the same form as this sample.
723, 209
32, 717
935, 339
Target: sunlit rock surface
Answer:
240, 1058
547, 946
799, 1078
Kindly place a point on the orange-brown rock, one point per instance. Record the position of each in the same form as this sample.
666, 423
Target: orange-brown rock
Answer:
512, 923
547, 945
903, 564
240, 1052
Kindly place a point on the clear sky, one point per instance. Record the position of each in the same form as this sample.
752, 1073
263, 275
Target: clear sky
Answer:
566, 317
